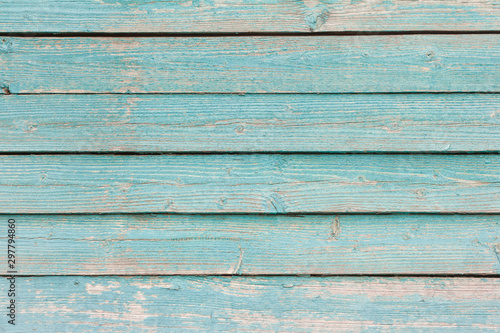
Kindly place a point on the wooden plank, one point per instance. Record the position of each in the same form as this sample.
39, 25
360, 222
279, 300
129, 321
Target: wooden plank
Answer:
252, 245
249, 183
307, 64
246, 16
265, 304
251, 123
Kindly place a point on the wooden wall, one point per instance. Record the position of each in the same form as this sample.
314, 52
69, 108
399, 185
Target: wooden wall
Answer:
251, 166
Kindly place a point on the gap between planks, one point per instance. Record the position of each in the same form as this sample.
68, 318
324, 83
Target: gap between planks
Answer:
318, 276
242, 34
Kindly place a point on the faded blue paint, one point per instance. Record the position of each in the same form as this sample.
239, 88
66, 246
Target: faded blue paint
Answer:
251, 123
255, 244
314, 64
264, 304
133, 244
246, 16
256, 183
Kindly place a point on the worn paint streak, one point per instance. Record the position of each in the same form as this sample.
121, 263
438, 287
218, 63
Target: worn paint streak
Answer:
237, 268
335, 227
496, 249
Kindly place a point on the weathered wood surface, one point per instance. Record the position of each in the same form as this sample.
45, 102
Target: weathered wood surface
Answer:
246, 16
265, 304
250, 123
255, 244
249, 183
307, 64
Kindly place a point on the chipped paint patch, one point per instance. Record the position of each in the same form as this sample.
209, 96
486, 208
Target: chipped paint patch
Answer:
97, 289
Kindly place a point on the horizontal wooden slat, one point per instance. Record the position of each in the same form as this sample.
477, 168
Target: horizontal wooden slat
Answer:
251, 123
249, 183
308, 64
252, 245
246, 16
265, 304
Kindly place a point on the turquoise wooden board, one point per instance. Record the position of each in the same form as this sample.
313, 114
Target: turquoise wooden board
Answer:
246, 16
251, 123
255, 244
255, 183
262, 304
307, 64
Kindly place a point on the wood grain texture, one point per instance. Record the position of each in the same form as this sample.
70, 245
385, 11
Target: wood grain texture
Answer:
250, 123
308, 64
266, 304
246, 16
255, 244
249, 183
